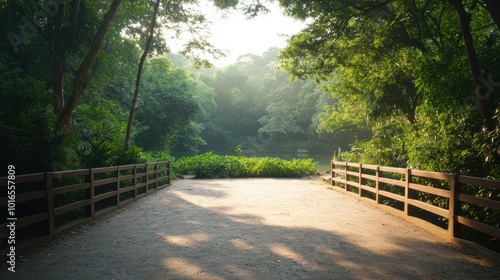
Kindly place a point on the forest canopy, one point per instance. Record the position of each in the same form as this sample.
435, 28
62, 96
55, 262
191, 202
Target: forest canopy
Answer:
393, 82
422, 75
71, 72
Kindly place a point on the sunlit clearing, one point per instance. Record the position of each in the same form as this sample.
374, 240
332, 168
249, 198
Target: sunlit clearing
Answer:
187, 269
288, 253
239, 273
186, 240
241, 245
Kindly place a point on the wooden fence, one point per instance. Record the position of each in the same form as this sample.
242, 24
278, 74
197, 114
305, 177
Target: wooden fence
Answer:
47, 205
434, 200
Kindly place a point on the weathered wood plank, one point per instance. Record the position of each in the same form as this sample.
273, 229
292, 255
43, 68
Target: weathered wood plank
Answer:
104, 169
484, 202
353, 173
493, 231
369, 177
106, 181
368, 188
430, 190
370, 166
428, 207
71, 173
392, 195
478, 181
70, 188
392, 181
392, 169
70, 207
432, 175
24, 197
105, 195
23, 179
25, 221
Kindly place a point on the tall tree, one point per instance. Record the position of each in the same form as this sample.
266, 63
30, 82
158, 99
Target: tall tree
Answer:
61, 42
420, 25
493, 7
80, 80
167, 105
392, 54
464, 20
139, 73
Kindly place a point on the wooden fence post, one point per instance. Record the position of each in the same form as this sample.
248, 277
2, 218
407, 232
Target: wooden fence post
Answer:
147, 178
345, 176
359, 178
168, 172
135, 180
92, 194
156, 175
452, 207
117, 185
407, 189
50, 202
377, 184
332, 165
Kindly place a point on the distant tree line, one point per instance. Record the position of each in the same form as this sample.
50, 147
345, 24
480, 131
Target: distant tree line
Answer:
405, 83
422, 75
69, 71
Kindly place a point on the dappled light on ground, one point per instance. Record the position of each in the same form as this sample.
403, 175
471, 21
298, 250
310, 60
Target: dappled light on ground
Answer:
252, 229
288, 253
187, 240
189, 269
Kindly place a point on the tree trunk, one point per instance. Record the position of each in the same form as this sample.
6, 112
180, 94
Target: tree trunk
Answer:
60, 42
139, 74
481, 94
80, 80
493, 7
57, 61
58, 84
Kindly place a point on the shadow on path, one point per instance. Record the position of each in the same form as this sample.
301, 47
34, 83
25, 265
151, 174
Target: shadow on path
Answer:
250, 229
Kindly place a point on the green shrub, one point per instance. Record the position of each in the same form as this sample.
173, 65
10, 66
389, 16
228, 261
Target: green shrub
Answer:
157, 156
209, 165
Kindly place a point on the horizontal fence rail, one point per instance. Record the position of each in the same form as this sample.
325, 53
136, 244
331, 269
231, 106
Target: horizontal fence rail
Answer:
440, 202
47, 205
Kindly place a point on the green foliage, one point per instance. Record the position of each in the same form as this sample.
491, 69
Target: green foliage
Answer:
239, 150
492, 145
291, 106
27, 138
40, 62
385, 147
100, 126
446, 143
131, 155
433, 146
209, 165
281, 119
275, 167
256, 100
397, 68
235, 98
157, 156
167, 104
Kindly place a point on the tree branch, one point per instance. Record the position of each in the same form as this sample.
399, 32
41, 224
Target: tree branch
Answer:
80, 80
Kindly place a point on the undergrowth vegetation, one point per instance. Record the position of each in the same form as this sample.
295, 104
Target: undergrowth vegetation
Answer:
209, 165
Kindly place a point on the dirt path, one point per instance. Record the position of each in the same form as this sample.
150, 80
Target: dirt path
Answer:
250, 229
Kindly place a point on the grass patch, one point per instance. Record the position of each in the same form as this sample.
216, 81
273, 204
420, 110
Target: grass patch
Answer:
209, 165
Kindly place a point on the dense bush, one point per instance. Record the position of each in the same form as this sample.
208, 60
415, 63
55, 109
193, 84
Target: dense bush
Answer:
209, 165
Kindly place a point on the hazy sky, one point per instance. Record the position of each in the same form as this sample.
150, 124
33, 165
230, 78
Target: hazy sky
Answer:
241, 36
236, 35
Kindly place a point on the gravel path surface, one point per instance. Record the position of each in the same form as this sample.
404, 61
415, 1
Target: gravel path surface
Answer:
250, 229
